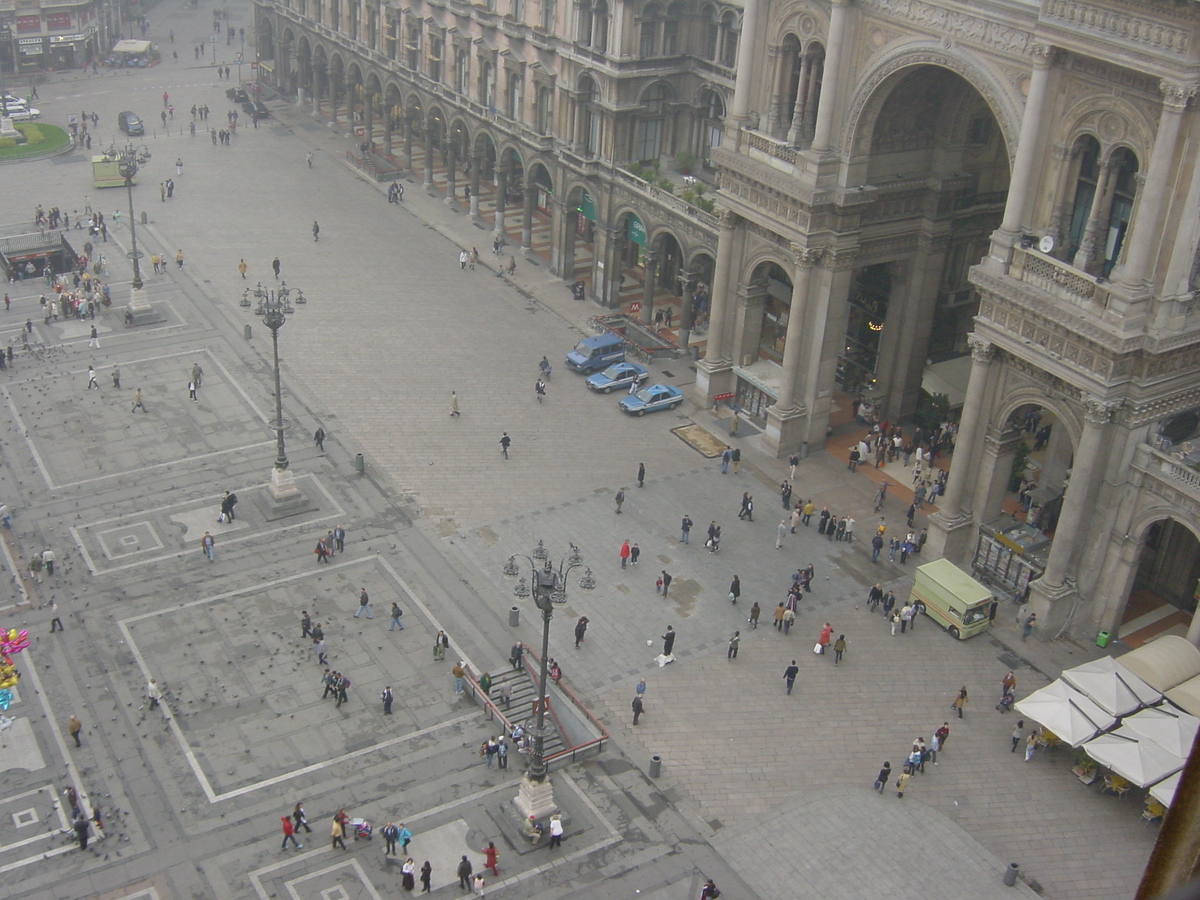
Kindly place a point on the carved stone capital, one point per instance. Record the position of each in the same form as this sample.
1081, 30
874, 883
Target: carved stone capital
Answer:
806, 257
1044, 56
981, 351
1097, 410
1176, 94
728, 219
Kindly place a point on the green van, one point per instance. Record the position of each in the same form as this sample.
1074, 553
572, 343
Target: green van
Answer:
952, 598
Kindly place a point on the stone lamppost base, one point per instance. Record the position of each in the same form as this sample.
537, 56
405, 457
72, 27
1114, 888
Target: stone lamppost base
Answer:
535, 798
139, 311
286, 499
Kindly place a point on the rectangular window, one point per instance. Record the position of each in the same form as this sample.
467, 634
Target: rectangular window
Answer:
548, 15
646, 44
670, 37
648, 139
435, 59
518, 10
461, 71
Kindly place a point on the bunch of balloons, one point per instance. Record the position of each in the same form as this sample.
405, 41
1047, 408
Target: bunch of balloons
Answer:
11, 643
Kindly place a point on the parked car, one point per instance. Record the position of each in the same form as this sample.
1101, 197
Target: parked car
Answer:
618, 375
652, 399
237, 94
595, 353
130, 124
18, 110
256, 109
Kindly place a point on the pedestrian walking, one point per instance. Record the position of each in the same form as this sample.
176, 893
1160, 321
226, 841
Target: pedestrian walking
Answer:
397, 612
839, 647
793, 461
55, 622
1016, 735
319, 648
620, 498
789, 675
735, 589
453, 404
902, 781
580, 630
943, 735
491, 858
556, 830
735, 457
316, 230
685, 529
960, 700
74, 727
209, 544
81, 828
137, 401
339, 539
1027, 626
779, 611
638, 708
319, 438
505, 442
1031, 744
289, 833
337, 832
623, 553
734, 641
299, 819
464, 873
463, 258
641, 475
755, 612
91, 375
441, 643
386, 696
192, 391
881, 779
824, 638
342, 687
364, 604
668, 640
780, 531
426, 877
666, 585
516, 654
785, 494
94, 341
116, 377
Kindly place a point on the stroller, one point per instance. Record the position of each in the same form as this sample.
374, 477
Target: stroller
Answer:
1006, 702
362, 829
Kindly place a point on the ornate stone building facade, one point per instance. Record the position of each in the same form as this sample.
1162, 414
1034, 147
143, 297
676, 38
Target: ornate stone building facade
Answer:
901, 182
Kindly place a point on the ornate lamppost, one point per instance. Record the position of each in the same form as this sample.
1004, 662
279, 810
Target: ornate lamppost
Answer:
129, 159
549, 589
273, 307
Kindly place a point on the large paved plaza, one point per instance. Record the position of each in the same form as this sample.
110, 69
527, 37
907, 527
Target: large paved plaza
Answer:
768, 794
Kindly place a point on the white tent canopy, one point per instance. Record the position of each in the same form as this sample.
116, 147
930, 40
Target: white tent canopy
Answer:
1164, 791
1139, 762
1111, 686
1170, 728
1164, 662
128, 46
1066, 712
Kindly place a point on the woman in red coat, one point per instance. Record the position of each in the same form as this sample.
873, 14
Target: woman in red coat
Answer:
826, 635
490, 857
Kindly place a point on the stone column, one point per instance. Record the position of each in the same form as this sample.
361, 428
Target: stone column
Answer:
838, 17
1147, 228
793, 348
369, 117
1183, 255
476, 167
501, 200
745, 78
775, 68
718, 299
428, 154
651, 270
1087, 244
562, 245
1076, 509
1028, 159
389, 125
949, 517
810, 102
1070, 160
796, 130
684, 332
527, 223
451, 173
408, 142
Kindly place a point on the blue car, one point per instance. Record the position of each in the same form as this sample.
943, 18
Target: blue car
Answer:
652, 399
618, 375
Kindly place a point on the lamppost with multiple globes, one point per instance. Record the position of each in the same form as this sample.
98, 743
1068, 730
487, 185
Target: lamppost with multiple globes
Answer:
273, 306
129, 159
549, 588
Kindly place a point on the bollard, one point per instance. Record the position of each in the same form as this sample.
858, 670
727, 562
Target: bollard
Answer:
359, 463
247, 332
1010, 874
655, 766
145, 221
514, 616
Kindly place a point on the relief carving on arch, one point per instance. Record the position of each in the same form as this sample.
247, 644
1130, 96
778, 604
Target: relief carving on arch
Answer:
965, 27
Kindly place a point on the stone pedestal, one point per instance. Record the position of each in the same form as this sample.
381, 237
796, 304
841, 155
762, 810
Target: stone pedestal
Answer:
1052, 603
953, 539
139, 311
284, 496
785, 431
8, 130
535, 798
712, 378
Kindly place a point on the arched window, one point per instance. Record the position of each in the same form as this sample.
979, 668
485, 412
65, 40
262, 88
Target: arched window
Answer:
1085, 191
512, 96
712, 111
712, 33
648, 40
589, 116
729, 39
584, 29
647, 142
670, 35
1124, 189
600, 26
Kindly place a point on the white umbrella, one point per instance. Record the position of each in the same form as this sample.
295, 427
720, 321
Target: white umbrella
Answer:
1070, 715
1139, 762
1172, 729
1111, 686
1164, 791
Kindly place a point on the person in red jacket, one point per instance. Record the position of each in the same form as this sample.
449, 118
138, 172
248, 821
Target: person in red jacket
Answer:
289, 833
490, 858
826, 635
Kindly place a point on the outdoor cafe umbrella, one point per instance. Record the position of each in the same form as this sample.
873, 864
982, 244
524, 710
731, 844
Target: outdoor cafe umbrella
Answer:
1170, 728
1070, 715
1111, 686
1139, 762
1164, 791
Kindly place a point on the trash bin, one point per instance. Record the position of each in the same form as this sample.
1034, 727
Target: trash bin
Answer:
655, 766
145, 221
360, 465
1010, 874
514, 616
248, 332
1102, 639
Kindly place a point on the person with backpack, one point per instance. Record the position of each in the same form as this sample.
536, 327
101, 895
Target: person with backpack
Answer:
342, 688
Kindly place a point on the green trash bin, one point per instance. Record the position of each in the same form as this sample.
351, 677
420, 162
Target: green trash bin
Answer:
1102, 639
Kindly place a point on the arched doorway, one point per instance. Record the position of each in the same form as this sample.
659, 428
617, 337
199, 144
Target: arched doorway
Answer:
938, 163
1166, 584
578, 250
